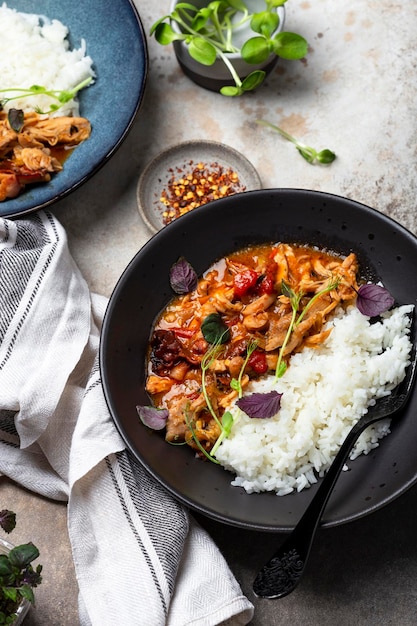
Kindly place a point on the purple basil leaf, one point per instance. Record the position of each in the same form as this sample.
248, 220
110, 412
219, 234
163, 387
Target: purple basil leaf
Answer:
152, 417
373, 300
182, 277
7, 520
261, 405
16, 119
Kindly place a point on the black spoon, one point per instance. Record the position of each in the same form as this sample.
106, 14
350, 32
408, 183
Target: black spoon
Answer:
282, 573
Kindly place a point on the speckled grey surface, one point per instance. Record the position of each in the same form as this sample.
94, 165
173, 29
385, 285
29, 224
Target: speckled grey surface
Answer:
356, 93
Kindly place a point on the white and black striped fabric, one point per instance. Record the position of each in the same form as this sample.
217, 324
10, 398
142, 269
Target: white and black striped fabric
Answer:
57, 439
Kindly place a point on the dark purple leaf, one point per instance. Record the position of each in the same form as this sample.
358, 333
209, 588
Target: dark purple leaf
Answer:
16, 119
261, 405
152, 417
182, 277
373, 300
7, 520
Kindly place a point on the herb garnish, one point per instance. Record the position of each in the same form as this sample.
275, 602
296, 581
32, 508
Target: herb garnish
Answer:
206, 361
196, 439
61, 97
152, 417
16, 119
260, 405
372, 300
324, 157
295, 299
182, 277
18, 577
214, 329
7, 520
236, 384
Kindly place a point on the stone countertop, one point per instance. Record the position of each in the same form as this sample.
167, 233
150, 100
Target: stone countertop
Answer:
356, 94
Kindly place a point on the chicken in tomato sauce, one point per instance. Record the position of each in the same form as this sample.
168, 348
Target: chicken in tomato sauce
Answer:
251, 293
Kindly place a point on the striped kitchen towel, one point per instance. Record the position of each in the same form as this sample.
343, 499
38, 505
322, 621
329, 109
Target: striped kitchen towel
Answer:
140, 558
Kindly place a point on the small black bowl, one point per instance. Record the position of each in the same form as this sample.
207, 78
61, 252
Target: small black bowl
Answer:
385, 250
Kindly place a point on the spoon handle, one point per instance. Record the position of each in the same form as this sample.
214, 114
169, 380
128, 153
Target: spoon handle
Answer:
281, 574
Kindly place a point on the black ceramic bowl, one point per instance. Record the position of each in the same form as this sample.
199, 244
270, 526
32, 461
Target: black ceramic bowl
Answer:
385, 250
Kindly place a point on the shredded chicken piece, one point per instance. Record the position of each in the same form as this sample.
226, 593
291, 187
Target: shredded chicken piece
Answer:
9, 185
69, 131
27, 155
260, 304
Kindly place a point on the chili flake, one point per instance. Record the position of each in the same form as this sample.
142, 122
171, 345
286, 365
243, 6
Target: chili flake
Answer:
195, 185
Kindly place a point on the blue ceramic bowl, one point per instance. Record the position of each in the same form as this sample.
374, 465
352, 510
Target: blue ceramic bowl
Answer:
116, 42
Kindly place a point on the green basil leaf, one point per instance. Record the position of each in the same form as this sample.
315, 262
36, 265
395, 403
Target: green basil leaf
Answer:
214, 329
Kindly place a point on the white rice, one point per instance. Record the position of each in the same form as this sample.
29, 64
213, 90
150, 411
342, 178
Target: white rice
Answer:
325, 391
34, 50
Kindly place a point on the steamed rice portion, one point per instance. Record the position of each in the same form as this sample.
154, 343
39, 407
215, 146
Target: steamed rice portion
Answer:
325, 391
34, 50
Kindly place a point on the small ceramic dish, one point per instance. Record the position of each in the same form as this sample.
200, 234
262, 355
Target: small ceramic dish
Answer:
162, 176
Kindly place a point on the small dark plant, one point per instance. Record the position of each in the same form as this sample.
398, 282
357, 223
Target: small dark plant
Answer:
208, 34
17, 576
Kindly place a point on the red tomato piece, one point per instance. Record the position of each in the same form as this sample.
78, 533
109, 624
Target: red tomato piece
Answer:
183, 332
244, 281
267, 282
257, 361
267, 285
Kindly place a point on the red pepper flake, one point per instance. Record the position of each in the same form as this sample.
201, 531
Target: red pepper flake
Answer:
196, 184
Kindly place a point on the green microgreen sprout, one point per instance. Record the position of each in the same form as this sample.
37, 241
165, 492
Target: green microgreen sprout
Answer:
332, 284
295, 303
295, 299
236, 384
324, 157
207, 360
61, 97
208, 33
190, 425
